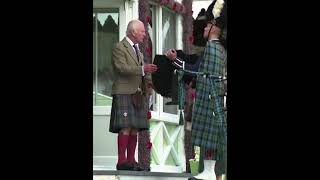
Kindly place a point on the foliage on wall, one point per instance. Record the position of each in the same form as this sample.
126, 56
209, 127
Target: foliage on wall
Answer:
144, 146
187, 24
173, 5
185, 9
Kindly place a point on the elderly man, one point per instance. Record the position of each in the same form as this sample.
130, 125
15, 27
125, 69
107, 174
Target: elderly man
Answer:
129, 107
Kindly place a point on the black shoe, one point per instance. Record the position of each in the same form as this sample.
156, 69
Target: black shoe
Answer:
123, 166
135, 167
147, 169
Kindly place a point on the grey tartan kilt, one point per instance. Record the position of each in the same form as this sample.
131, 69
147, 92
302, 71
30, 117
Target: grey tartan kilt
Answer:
125, 115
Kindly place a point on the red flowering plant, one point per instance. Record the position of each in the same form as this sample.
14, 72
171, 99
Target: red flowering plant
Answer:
191, 39
163, 2
149, 145
185, 9
174, 5
149, 51
148, 19
182, 9
187, 24
149, 115
144, 158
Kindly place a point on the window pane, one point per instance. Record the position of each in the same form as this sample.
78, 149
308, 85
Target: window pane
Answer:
169, 41
94, 58
169, 30
105, 35
152, 32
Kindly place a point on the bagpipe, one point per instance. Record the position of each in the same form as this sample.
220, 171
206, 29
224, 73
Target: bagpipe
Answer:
165, 80
172, 74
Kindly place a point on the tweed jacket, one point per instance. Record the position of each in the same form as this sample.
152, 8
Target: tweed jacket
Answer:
127, 69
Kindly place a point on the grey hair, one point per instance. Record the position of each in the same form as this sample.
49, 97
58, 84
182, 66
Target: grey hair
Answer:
132, 26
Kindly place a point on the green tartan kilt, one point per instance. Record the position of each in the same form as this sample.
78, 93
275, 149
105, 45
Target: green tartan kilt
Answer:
207, 131
209, 136
124, 114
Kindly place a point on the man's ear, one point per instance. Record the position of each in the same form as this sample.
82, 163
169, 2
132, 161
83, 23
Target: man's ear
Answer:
132, 34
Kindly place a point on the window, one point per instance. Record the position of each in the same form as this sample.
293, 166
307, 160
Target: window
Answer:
168, 42
151, 28
105, 35
162, 31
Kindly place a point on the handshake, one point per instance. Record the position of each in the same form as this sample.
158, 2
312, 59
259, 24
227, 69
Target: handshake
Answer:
170, 54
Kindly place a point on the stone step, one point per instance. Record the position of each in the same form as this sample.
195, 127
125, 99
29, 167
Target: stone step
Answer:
137, 175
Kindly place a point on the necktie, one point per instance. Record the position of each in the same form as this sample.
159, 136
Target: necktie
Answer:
137, 51
135, 46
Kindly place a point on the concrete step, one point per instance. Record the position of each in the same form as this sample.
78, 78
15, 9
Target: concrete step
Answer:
137, 175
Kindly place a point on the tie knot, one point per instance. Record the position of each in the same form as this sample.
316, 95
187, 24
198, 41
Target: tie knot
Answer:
135, 46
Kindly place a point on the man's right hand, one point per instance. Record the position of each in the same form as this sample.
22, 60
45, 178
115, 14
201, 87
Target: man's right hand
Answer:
150, 68
171, 54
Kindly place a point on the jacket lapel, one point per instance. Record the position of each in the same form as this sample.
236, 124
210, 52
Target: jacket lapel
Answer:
130, 51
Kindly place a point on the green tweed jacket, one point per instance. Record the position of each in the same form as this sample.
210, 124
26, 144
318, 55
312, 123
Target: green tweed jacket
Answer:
127, 69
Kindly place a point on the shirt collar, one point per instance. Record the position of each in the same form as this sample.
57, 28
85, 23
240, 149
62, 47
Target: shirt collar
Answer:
130, 42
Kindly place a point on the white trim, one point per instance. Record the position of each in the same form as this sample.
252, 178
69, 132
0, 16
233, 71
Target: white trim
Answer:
152, 2
161, 153
170, 121
161, 106
104, 162
164, 116
170, 148
99, 94
155, 155
101, 110
171, 118
159, 29
154, 131
181, 148
107, 4
179, 32
135, 9
166, 168
122, 12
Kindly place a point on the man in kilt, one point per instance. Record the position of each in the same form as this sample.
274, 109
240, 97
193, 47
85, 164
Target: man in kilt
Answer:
129, 103
209, 126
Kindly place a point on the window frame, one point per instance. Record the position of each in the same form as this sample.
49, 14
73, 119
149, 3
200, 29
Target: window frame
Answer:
124, 12
100, 6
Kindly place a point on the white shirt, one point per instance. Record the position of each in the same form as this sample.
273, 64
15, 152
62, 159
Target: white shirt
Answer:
131, 43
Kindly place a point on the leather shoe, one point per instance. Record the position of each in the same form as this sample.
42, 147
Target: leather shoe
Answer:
135, 167
123, 166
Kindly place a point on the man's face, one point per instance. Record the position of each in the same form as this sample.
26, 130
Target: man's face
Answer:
206, 30
140, 33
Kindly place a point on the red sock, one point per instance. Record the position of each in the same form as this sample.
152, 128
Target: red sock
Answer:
132, 143
122, 146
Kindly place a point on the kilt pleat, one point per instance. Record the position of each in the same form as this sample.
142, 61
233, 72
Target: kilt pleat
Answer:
207, 131
125, 115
